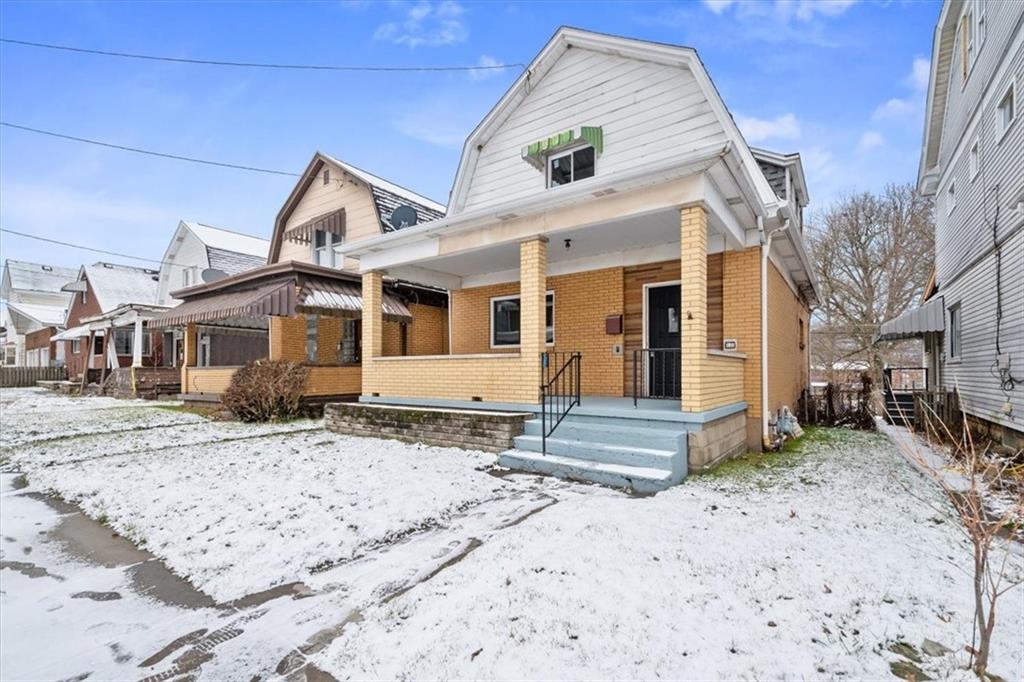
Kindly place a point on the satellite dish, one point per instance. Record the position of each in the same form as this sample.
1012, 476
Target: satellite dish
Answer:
404, 216
212, 275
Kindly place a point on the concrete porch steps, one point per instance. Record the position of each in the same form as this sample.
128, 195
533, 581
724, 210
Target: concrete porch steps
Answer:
622, 452
639, 479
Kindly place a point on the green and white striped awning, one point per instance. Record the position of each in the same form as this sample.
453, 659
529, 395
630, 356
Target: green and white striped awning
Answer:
535, 152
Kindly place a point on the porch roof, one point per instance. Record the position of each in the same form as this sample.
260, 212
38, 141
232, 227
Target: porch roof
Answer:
281, 289
930, 317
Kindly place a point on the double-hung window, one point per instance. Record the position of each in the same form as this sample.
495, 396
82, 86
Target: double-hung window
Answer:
1007, 110
505, 320
570, 166
349, 347
76, 346
325, 249
124, 342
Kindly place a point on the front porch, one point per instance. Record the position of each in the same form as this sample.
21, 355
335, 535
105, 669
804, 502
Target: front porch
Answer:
608, 336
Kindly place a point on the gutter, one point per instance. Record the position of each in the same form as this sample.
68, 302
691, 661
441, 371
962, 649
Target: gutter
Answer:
766, 246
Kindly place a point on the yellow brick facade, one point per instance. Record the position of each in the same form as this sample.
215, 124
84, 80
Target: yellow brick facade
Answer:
741, 317
582, 302
693, 243
787, 343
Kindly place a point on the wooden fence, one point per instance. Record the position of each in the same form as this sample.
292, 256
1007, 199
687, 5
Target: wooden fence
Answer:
28, 376
937, 413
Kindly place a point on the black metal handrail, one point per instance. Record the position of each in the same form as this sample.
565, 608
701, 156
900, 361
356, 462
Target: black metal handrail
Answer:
560, 391
657, 373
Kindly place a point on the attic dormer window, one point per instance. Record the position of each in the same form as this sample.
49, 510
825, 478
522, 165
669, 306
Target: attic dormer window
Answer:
567, 156
571, 166
327, 176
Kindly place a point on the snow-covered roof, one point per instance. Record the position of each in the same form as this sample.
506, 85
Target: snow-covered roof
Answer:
387, 196
37, 276
43, 314
227, 240
233, 262
114, 285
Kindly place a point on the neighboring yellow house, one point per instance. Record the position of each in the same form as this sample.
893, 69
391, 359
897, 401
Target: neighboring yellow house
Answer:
304, 305
620, 263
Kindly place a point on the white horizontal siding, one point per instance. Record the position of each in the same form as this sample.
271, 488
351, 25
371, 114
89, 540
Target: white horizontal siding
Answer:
650, 113
974, 374
964, 234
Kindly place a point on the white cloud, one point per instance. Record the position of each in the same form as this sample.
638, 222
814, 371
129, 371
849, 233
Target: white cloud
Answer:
893, 109
439, 121
806, 9
869, 140
783, 10
920, 72
718, 6
485, 73
426, 24
784, 127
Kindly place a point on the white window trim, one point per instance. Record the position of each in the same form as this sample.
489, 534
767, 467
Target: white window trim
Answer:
333, 241
512, 297
974, 159
949, 344
567, 152
950, 197
999, 110
130, 333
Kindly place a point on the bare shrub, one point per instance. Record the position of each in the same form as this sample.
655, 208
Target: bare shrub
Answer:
266, 390
971, 480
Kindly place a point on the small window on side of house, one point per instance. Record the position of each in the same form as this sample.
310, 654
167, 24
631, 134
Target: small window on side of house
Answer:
123, 342
85, 297
974, 160
327, 176
982, 26
325, 249
955, 349
571, 166
950, 198
76, 346
311, 338
1007, 110
97, 345
186, 277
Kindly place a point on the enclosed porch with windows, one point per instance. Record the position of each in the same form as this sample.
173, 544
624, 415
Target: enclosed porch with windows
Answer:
296, 312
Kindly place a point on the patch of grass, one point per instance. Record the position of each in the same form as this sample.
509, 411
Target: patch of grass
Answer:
793, 452
205, 412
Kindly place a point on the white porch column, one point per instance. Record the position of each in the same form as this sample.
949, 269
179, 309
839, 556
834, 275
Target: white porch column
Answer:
137, 343
110, 350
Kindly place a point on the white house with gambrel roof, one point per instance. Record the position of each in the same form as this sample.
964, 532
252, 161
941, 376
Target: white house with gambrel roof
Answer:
972, 162
195, 248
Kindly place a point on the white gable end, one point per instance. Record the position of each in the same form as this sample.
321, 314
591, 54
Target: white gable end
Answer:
649, 114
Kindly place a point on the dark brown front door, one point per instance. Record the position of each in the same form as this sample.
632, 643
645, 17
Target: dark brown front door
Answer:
663, 338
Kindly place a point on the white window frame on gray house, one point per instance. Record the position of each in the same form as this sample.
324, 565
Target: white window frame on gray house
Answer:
955, 325
571, 155
951, 197
1006, 110
549, 331
328, 250
973, 161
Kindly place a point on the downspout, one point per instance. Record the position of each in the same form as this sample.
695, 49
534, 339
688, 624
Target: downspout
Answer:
766, 247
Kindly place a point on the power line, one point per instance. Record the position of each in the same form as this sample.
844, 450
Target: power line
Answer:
258, 65
148, 152
84, 248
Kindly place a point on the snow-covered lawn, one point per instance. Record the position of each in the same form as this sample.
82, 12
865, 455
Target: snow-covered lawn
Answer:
419, 563
807, 565
238, 508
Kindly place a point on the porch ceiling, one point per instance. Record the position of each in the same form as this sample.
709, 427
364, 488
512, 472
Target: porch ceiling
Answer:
590, 245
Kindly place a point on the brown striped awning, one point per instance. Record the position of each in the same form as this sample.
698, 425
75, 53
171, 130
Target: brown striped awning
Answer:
276, 298
343, 299
333, 222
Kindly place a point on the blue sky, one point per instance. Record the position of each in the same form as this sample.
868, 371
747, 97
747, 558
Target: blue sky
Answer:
840, 81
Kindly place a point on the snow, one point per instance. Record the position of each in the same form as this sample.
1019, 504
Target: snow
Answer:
115, 285
36, 277
43, 314
806, 570
417, 562
228, 240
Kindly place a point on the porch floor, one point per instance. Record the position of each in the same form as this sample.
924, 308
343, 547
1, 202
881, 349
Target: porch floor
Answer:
591, 406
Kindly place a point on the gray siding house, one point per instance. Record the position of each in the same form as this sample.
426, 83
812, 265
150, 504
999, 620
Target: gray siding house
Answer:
972, 161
